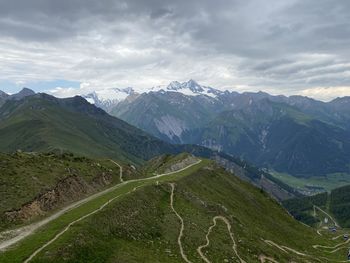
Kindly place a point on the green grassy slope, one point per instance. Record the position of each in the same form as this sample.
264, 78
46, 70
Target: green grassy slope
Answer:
277, 136
336, 203
45, 123
27, 177
33, 242
315, 184
339, 205
143, 227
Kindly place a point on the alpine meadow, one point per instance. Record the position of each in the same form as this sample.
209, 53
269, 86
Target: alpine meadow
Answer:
178, 131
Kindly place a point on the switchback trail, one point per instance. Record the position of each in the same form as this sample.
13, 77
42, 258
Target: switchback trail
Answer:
183, 255
234, 246
101, 207
30, 229
335, 248
286, 249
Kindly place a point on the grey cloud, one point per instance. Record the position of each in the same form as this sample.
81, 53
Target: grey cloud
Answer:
292, 43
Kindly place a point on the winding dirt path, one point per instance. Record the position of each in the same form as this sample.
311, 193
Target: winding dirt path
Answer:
234, 246
335, 247
183, 255
76, 221
72, 223
23, 232
30, 229
264, 259
337, 237
328, 215
286, 249
120, 170
104, 205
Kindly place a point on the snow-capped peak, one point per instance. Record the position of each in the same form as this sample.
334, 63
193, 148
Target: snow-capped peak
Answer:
174, 85
108, 98
113, 94
191, 88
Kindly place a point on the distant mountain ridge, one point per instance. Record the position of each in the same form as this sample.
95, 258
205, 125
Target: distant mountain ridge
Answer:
43, 123
17, 96
295, 134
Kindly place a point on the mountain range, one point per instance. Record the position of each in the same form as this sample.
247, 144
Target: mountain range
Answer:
68, 205
43, 123
297, 135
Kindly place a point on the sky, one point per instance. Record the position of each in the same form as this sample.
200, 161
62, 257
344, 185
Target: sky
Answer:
74, 46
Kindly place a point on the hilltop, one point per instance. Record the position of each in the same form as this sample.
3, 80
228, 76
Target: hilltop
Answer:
144, 225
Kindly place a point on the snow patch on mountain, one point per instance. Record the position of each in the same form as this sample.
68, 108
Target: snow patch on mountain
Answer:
189, 88
108, 98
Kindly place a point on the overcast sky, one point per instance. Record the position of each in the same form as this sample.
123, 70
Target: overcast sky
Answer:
279, 46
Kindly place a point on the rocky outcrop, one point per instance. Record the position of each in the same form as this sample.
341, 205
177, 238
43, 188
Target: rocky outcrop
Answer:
66, 190
257, 178
181, 164
170, 126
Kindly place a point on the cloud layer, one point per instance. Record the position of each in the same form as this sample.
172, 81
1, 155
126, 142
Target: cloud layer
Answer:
283, 47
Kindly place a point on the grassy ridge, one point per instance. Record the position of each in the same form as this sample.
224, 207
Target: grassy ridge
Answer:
30, 244
45, 123
143, 228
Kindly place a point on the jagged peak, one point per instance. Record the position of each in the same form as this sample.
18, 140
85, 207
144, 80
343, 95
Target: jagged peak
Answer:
25, 92
3, 94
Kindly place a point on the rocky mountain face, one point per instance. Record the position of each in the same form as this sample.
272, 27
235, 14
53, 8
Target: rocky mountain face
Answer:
3, 97
296, 134
17, 96
107, 99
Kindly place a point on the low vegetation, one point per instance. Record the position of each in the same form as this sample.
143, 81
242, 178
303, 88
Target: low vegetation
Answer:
335, 203
50, 179
141, 226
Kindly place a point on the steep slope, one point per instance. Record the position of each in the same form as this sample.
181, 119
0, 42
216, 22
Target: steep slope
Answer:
208, 214
45, 123
3, 97
33, 184
336, 204
107, 99
166, 115
17, 96
277, 136
296, 135
25, 92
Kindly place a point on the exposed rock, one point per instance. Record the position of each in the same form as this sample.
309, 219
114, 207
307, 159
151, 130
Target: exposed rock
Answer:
259, 180
181, 164
170, 126
66, 190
